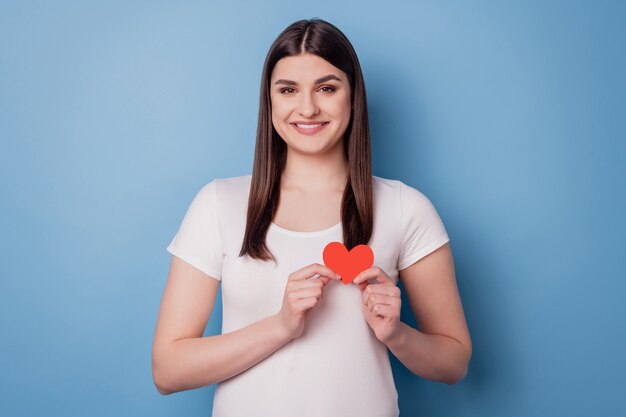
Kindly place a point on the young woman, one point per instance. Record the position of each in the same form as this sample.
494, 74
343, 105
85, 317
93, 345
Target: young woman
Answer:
295, 339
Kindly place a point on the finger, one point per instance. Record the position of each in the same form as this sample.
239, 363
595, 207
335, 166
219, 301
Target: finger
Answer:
307, 283
374, 299
306, 303
320, 282
308, 292
363, 276
382, 299
381, 289
310, 270
373, 273
324, 279
384, 311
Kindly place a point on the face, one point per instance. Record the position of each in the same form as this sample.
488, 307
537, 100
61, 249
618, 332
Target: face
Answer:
310, 103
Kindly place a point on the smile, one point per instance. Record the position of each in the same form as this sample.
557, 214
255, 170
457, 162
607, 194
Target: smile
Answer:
309, 128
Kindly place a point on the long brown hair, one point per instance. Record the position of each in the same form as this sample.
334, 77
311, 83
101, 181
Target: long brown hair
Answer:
318, 37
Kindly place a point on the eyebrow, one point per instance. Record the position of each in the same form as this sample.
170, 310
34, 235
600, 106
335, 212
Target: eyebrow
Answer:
318, 81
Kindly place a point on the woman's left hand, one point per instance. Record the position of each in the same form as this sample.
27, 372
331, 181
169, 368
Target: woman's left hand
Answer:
381, 303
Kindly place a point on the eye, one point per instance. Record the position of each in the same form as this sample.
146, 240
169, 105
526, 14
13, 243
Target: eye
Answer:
328, 89
286, 90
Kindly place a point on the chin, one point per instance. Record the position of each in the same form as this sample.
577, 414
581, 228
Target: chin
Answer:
306, 151
310, 144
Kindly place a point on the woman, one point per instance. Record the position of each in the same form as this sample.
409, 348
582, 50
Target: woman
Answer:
295, 339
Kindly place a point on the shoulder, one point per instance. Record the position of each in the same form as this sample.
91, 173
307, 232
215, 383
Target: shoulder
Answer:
406, 197
223, 191
232, 183
229, 196
384, 183
226, 187
385, 188
396, 187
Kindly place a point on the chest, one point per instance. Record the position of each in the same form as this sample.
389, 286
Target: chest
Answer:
306, 212
252, 289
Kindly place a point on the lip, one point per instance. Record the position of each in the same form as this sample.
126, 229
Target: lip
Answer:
309, 131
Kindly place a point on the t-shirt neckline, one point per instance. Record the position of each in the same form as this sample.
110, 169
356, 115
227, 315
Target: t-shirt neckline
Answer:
303, 234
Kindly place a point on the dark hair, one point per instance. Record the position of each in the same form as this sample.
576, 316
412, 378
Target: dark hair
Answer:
314, 36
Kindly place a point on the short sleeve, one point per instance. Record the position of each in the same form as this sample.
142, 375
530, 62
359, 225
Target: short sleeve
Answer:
422, 228
198, 241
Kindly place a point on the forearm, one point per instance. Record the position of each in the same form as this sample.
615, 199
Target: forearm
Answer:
431, 356
197, 362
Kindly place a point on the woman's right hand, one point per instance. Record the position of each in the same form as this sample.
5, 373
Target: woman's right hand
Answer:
303, 293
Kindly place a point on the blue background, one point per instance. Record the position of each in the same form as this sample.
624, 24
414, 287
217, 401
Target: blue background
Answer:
510, 117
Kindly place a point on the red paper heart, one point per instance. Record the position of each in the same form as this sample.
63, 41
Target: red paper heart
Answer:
347, 264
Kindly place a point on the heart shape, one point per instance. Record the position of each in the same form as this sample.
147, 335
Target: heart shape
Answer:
348, 264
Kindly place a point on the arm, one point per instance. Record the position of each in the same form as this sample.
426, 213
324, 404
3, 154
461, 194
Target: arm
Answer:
182, 358
442, 349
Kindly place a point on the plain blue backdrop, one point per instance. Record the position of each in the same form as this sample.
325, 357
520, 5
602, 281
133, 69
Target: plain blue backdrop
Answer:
509, 116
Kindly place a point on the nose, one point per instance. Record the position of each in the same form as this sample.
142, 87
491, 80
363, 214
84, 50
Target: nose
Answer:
308, 105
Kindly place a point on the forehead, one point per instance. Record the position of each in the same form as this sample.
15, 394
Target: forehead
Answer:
304, 67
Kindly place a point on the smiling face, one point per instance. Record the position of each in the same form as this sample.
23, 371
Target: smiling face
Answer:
310, 103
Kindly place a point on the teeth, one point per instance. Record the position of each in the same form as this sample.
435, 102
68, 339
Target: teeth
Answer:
308, 126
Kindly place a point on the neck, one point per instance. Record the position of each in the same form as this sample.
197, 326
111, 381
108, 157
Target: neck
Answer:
322, 172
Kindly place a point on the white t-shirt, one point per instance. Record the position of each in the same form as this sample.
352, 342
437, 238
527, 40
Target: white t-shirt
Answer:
337, 367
